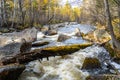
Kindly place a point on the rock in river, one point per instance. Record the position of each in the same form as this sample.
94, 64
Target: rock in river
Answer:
15, 48
91, 63
62, 38
17, 42
11, 72
29, 35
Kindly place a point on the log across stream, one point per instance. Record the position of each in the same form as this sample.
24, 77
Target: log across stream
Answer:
43, 53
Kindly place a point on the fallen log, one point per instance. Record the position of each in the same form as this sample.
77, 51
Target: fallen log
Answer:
43, 53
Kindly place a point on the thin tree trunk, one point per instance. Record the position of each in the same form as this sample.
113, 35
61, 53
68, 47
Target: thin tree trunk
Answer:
21, 11
1, 20
110, 26
31, 13
14, 13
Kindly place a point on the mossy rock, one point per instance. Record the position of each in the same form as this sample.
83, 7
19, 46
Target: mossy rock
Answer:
110, 49
117, 54
89, 36
4, 30
63, 50
91, 63
114, 53
103, 77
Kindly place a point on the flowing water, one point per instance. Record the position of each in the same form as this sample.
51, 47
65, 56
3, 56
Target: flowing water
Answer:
67, 67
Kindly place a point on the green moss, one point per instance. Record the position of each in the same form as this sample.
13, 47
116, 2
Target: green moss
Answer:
5, 30
109, 48
21, 27
62, 50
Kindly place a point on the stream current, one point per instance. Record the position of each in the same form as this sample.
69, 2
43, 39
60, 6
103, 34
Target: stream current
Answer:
69, 66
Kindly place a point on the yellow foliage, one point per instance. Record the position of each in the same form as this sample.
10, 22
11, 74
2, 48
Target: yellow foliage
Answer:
11, 4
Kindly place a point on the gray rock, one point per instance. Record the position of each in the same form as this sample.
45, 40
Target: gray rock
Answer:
17, 42
62, 38
15, 48
29, 35
51, 32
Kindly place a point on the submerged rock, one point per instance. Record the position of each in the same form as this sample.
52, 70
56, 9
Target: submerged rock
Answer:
11, 72
91, 63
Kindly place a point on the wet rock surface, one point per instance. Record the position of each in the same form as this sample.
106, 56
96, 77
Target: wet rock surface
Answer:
72, 67
11, 72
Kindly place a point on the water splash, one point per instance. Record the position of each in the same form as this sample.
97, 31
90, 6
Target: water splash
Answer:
64, 68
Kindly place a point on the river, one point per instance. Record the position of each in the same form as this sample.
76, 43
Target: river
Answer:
68, 67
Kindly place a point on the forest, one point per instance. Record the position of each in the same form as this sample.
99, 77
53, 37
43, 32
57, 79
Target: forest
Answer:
59, 39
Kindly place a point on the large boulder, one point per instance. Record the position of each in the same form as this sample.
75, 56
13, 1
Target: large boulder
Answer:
29, 35
62, 37
101, 35
17, 42
11, 72
15, 48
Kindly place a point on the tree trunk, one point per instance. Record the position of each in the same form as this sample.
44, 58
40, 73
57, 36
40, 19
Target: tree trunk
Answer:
31, 13
1, 23
14, 13
110, 26
21, 11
